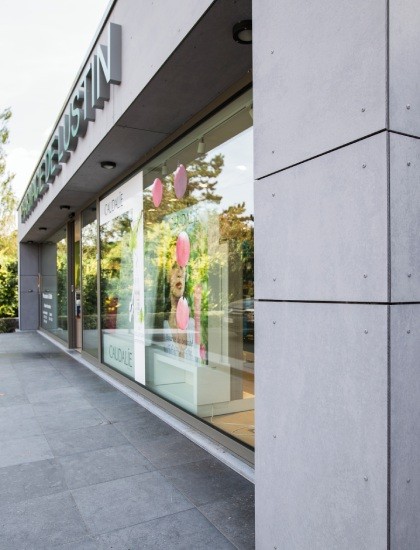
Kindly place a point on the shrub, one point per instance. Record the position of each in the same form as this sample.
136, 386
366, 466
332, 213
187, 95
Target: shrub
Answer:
9, 324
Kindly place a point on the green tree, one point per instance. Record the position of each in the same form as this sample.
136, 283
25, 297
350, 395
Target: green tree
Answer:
8, 229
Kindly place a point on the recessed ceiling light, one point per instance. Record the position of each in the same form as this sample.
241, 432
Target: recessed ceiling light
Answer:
108, 164
64, 207
42, 228
242, 32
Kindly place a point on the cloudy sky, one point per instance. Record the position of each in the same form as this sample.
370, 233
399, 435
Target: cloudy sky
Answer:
43, 45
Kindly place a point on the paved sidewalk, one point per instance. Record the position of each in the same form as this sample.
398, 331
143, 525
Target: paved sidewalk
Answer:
82, 466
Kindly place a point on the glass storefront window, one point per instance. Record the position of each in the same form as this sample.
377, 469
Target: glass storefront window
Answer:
177, 273
88, 308
199, 274
54, 284
121, 279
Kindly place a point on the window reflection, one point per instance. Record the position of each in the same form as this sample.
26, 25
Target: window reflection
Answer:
54, 285
199, 307
89, 305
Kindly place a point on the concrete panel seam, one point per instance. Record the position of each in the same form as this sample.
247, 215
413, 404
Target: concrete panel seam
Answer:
389, 431
338, 302
322, 154
404, 134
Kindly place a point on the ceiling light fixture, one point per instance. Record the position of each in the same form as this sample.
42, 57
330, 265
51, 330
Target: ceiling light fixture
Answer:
251, 111
242, 32
64, 207
201, 147
42, 228
108, 164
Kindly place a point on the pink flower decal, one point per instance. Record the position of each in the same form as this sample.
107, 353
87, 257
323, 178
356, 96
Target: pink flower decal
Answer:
157, 192
182, 314
182, 249
180, 181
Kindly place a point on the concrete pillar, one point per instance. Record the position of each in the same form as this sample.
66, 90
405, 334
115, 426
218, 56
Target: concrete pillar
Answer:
337, 272
28, 286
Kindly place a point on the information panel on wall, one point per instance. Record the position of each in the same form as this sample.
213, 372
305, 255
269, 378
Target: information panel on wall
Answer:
122, 279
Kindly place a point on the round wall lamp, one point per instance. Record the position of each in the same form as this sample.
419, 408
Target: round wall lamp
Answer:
108, 164
242, 32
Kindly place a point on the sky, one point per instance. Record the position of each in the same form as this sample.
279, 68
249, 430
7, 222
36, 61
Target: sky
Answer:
42, 46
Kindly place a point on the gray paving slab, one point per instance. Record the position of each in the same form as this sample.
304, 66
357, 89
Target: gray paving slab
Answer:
53, 395
45, 382
18, 427
40, 522
86, 543
12, 386
34, 479
28, 449
129, 412
234, 517
71, 420
93, 467
17, 411
110, 398
171, 450
142, 429
85, 439
7, 400
103, 472
187, 530
206, 481
128, 501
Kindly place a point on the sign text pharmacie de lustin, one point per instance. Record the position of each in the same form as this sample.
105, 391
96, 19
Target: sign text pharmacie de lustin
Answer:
103, 69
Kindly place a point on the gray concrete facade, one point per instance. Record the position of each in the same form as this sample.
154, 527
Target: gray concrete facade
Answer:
336, 102
28, 286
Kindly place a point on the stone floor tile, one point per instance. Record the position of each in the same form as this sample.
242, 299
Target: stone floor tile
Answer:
206, 481
71, 420
34, 479
85, 439
87, 543
171, 450
109, 398
17, 411
28, 449
53, 395
124, 502
234, 517
95, 467
40, 523
121, 413
18, 428
143, 428
187, 530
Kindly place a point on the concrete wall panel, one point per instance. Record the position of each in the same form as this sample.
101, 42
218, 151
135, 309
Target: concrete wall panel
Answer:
405, 218
404, 74
28, 259
28, 283
321, 228
319, 77
405, 427
321, 426
28, 311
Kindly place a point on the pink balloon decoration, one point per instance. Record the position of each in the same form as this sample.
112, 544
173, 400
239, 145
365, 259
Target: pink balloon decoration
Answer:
182, 249
157, 192
180, 181
182, 314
